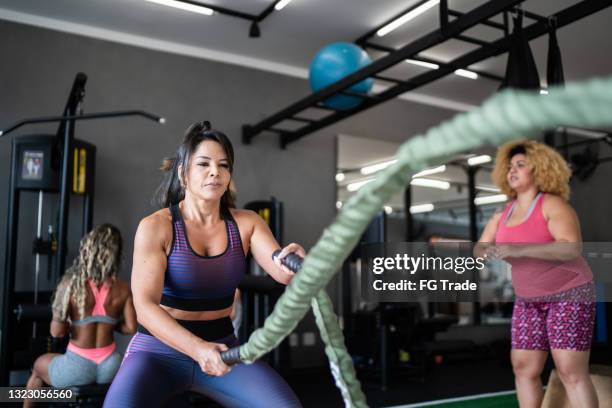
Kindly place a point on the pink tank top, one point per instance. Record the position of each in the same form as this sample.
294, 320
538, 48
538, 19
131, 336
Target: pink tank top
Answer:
533, 277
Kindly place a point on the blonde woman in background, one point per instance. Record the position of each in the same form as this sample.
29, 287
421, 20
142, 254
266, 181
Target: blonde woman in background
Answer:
89, 303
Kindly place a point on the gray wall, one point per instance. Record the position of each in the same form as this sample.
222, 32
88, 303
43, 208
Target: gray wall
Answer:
37, 70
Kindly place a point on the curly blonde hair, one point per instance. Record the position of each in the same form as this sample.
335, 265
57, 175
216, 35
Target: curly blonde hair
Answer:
99, 259
551, 172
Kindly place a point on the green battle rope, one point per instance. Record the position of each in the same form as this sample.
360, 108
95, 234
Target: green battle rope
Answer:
509, 115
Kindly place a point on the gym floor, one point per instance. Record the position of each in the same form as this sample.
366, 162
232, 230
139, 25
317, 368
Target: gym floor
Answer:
448, 380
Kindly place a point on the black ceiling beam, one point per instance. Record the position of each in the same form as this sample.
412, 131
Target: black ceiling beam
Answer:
430, 60
435, 37
490, 23
537, 29
267, 11
254, 18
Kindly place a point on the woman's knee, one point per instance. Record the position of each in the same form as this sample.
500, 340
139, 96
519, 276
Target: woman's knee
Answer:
572, 366
571, 375
526, 368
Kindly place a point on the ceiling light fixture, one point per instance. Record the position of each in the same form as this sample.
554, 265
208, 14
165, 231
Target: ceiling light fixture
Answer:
543, 91
421, 208
491, 199
358, 184
254, 31
487, 188
373, 168
460, 72
340, 177
476, 160
424, 64
407, 17
466, 74
281, 4
388, 209
184, 6
432, 170
423, 182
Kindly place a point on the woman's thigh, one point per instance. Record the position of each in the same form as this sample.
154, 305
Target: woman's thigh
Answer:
148, 380
570, 325
254, 385
529, 325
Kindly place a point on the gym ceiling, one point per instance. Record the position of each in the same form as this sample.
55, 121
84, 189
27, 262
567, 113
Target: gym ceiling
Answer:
291, 37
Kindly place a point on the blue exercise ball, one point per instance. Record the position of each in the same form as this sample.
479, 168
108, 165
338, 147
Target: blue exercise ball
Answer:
334, 62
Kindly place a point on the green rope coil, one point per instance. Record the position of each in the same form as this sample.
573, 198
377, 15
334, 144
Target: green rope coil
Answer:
508, 115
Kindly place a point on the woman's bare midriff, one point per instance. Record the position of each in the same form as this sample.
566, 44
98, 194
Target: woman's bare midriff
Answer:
203, 315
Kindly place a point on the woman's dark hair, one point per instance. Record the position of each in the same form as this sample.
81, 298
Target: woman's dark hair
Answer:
518, 149
171, 191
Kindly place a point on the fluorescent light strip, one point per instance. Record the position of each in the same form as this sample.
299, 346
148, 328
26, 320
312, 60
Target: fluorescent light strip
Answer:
432, 170
460, 72
476, 160
423, 182
543, 91
424, 64
486, 188
184, 6
407, 17
491, 199
373, 168
466, 74
358, 184
421, 208
281, 4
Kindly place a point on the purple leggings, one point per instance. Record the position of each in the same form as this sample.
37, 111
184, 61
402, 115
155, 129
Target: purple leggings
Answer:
152, 372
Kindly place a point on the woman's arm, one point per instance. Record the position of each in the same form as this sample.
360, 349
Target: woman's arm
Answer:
488, 236
59, 327
129, 322
263, 244
148, 271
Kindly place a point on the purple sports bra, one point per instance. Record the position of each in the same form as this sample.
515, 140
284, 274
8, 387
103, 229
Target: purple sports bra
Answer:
194, 282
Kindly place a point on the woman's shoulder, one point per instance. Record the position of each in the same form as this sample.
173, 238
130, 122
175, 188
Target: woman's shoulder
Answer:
156, 227
553, 201
244, 218
158, 221
122, 287
243, 215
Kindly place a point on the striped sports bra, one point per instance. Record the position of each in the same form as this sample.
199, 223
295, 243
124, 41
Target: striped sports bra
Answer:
197, 283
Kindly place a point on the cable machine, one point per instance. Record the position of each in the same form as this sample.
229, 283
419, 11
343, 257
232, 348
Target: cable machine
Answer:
58, 170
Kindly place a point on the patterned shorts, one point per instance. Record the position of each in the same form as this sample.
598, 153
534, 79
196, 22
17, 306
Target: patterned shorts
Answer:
554, 324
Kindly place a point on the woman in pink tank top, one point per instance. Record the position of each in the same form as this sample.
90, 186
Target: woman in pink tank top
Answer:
538, 233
